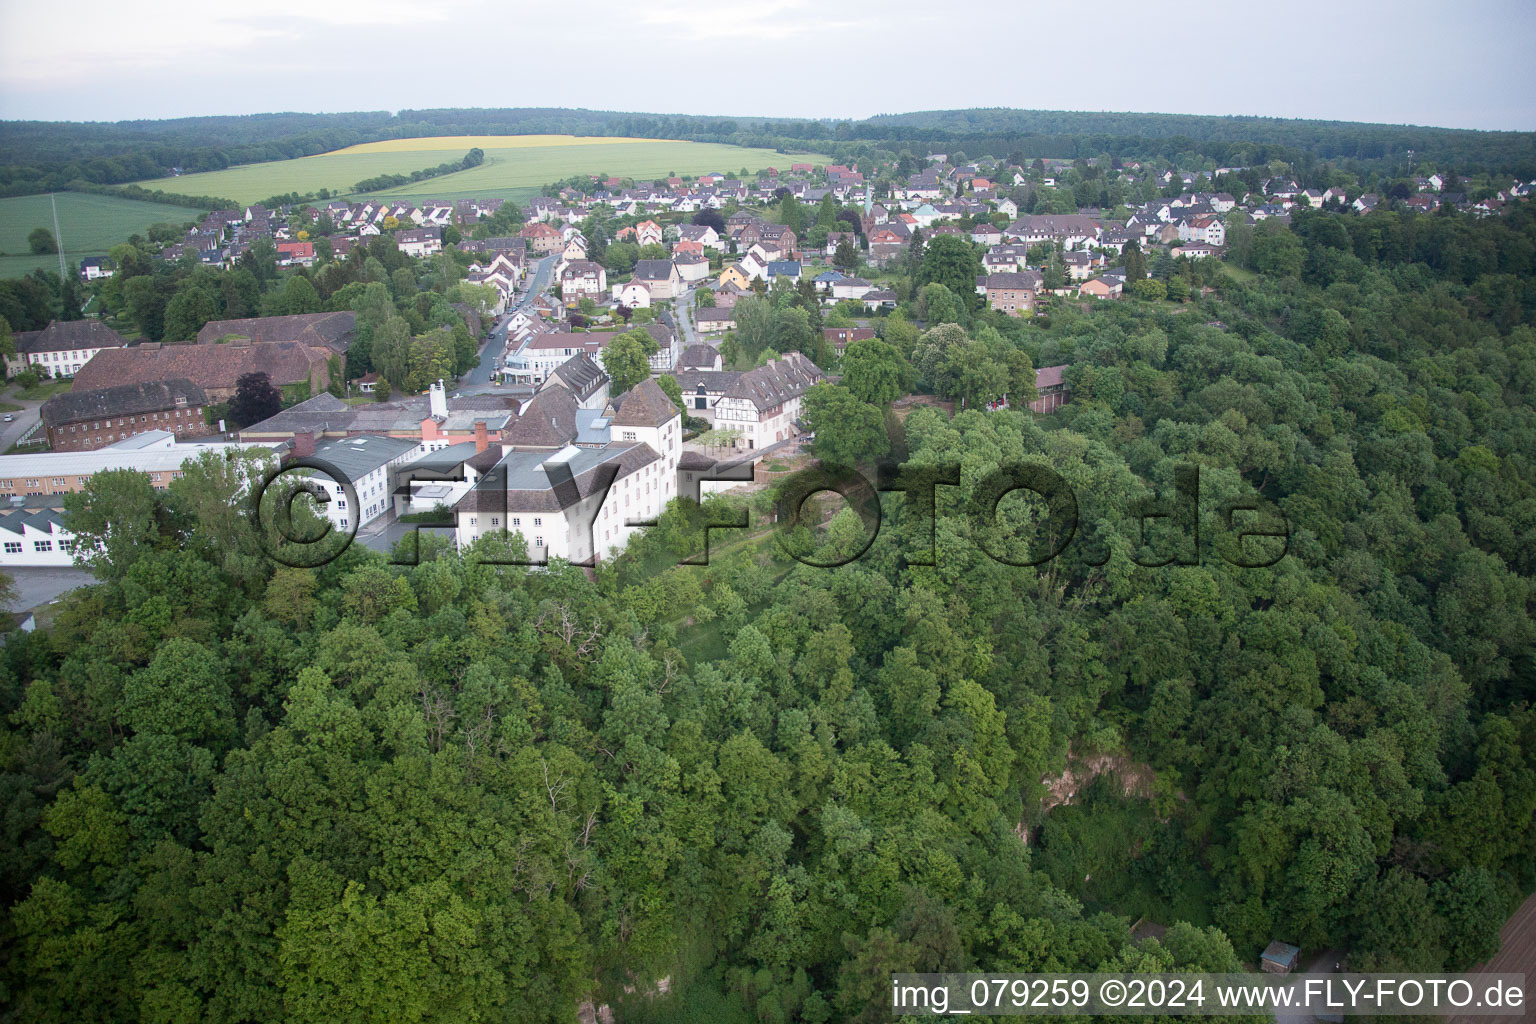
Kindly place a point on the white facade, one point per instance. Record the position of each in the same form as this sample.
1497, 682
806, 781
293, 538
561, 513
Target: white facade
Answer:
40, 540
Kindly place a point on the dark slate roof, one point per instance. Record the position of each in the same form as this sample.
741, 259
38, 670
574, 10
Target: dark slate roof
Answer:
69, 336
529, 487
661, 334
318, 413
1029, 280
123, 400
699, 356
581, 375
776, 382
644, 405
654, 270
547, 421
360, 455
714, 313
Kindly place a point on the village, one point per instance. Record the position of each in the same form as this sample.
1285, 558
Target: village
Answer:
585, 265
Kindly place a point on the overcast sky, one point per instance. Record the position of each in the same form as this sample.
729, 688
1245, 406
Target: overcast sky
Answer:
1465, 64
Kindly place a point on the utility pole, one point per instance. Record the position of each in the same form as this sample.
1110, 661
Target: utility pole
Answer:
57, 238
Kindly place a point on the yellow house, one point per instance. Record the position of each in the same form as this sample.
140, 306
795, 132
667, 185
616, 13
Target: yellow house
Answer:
733, 274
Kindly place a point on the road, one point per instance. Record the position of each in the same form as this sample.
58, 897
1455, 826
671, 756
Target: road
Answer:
1321, 965
479, 378
685, 316
11, 432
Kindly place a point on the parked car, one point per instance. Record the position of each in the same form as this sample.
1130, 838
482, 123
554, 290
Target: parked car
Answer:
10, 417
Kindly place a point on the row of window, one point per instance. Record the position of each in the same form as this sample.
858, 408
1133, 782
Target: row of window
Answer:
7, 486
14, 547
154, 417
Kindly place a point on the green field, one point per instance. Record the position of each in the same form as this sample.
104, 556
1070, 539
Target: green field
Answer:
515, 166
90, 224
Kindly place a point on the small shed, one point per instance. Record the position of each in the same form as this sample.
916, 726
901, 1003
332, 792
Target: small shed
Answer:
1279, 957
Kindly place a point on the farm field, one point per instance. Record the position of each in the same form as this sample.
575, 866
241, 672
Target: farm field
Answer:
515, 166
90, 224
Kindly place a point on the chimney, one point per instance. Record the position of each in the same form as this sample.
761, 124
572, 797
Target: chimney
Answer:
304, 445
439, 401
482, 438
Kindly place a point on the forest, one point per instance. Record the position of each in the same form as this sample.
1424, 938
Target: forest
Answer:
38, 156
461, 790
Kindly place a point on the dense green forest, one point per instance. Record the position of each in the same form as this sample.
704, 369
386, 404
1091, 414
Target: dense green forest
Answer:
38, 156
463, 790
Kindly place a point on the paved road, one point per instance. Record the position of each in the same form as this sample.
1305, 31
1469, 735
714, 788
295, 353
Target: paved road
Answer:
10, 433
479, 378
37, 585
685, 316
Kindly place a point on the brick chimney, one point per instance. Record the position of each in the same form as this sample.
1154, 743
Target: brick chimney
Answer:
303, 445
482, 438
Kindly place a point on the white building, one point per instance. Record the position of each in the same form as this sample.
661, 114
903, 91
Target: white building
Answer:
365, 460
578, 489
764, 403
61, 348
32, 533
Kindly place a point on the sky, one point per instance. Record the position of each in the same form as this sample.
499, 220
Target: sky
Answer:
1462, 65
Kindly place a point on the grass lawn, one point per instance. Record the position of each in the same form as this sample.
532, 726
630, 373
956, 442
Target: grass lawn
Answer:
89, 224
515, 166
44, 390
9, 407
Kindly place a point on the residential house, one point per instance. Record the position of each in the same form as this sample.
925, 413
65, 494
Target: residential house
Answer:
94, 268
764, 403
633, 294
841, 337
1011, 293
788, 270
648, 232
543, 239
583, 279
1051, 387
420, 242
691, 269
983, 233
711, 320
660, 277
1100, 288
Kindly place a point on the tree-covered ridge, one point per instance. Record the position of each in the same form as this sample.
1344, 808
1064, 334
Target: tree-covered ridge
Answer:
462, 790
38, 156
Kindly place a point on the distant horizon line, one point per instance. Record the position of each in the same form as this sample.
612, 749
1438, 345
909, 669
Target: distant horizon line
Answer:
825, 119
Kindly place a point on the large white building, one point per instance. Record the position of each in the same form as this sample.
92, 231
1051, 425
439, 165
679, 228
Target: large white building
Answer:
32, 533
764, 403
577, 484
61, 348
366, 461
